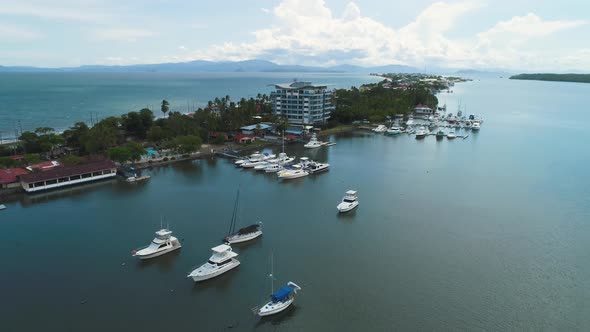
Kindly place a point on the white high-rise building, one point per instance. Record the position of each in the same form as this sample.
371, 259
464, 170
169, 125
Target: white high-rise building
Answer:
302, 102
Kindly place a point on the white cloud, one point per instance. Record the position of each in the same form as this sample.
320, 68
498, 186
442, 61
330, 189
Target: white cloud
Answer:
71, 11
121, 34
182, 47
265, 10
308, 32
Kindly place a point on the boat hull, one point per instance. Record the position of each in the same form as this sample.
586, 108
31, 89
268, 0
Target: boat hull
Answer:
243, 238
274, 308
293, 176
157, 253
202, 277
342, 208
312, 146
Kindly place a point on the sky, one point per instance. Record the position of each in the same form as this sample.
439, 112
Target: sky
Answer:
480, 34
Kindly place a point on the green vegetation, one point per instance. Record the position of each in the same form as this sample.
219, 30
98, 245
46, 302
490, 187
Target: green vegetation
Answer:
576, 78
375, 102
128, 152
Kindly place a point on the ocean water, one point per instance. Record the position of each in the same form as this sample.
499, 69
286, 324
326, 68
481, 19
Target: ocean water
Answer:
58, 100
484, 233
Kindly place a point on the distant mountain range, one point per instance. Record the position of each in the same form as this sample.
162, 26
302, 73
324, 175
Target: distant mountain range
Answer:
223, 66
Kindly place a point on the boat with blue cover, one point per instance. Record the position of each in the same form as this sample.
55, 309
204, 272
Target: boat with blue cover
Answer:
280, 300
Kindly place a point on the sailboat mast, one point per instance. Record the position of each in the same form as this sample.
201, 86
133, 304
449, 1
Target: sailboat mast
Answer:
272, 277
232, 224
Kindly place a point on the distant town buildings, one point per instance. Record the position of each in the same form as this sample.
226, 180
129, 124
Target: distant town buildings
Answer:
302, 102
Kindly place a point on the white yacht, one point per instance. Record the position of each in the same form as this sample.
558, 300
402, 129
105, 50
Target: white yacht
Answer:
451, 135
220, 262
315, 167
263, 166
2, 206
279, 300
163, 243
256, 156
393, 131
475, 126
349, 202
273, 168
262, 161
313, 143
380, 129
421, 133
296, 171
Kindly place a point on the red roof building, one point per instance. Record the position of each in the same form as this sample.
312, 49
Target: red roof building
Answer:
9, 177
244, 138
65, 176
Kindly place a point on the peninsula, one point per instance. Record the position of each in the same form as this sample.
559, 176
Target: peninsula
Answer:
576, 78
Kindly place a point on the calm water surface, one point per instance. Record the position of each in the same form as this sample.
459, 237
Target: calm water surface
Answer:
486, 233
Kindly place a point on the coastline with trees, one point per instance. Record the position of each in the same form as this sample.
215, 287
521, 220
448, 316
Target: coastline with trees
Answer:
573, 78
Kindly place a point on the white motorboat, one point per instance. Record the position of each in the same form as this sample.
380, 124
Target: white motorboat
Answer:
349, 202
421, 133
222, 260
264, 160
2, 206
315, 167
451, 135
475, 126
162, 244
380, 129
393, 131
262, 166
256, 156
243, 234
313, 143
279, 300
296, 171
273, 168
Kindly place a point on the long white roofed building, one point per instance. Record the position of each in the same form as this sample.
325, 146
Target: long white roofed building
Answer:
302, 102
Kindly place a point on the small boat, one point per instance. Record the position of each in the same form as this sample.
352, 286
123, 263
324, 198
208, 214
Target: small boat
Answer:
279, 300
315, 167
273, 168
264, 160
393, 131
380, 129
349, 202
256, 156
440, 135
137, 178
313, 143
476, 126
295, 172
222, 260
2, 206
421, 133
451, 135
243, 234
162, 244
330, 144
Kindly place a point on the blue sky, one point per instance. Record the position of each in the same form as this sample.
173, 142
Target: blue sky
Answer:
517, 34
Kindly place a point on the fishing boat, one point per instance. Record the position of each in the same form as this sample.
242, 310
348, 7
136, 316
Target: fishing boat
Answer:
243, 234
296, 171
349, 201
162, 244
264, 160
393, 131
315, 167
279, 300
256, 156
222, 260
421, 133
313, 143
380, 129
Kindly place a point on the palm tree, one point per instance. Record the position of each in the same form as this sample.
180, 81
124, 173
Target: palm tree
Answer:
165, 106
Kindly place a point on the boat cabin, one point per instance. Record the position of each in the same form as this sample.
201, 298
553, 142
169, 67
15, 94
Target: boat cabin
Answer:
350, 196
222, 254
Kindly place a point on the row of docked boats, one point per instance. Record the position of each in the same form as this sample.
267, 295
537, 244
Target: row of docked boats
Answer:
314, 143
283, 166
305, 167
223, 259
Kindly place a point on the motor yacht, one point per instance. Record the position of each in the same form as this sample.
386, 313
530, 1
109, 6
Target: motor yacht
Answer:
380, 129
296, 171
349, 201
451, 135
475, 126
393, 131
313, 143
315, 167
256, 156
162, 244
222, 260
421, 133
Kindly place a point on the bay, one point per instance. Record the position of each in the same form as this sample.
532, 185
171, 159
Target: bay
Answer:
486, 233
58, 100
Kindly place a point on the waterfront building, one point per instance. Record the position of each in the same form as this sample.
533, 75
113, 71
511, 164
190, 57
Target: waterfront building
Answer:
9, 177
423, 111
67, 176
263, 128
302, 102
